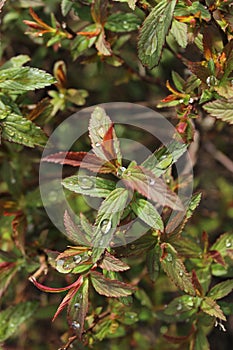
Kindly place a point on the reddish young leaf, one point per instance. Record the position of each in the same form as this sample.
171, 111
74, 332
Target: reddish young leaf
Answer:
19, 226
80, 159
110, 288
145, 182
56, 290
7, 272
196, 283
217, 257
108, 145
110, 263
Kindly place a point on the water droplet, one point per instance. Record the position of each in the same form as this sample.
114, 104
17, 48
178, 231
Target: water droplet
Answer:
67, 266
181, 273
228, 243
13, 181
121, 170
97, 144
60, 263
105, 226
77, 305
161, 18
169, 257
77, 259
191, 100
85, 183
152, 182
75, 325
211, 81
40, 35
132, 246
179, 307
11, 133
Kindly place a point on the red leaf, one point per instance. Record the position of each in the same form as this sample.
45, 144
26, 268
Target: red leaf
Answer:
56, 290
19, 226
108, 145
144, 181
196, 283
217, 257
80, 159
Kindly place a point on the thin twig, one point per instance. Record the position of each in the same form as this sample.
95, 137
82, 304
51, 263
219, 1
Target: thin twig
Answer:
219, 156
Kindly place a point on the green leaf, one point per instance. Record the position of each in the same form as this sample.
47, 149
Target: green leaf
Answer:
220, 109
223, 243
18, 129
8, 270
179, 30
178, 81
17, 61
108, 217
153, 263
175, 269
101, 125
143, 181
22, 79
147, 213
66, 6
78, 308
122, 22
181, 308
81, 43
164, 157
74, 232
144, 243
153, 33
201, 341
89, 185
110, 263
210, 307
12, 317
220, 290
108, 287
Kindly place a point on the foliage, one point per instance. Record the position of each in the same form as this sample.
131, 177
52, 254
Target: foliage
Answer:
168, 288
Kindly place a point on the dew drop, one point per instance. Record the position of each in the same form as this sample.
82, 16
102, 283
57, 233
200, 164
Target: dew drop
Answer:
179, 307
105, 226
165, 161
121, 170
85, 183
228, 243
13, 181
152, 182
40, 35
77, 305
77, 259
211, 81
75, 325
97, 144
169, 257
181, 273
60, 263
132, 246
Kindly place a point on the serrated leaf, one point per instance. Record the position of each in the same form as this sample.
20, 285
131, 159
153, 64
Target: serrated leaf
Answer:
17, 61
74, 232
102, 45
164, 157
66, 6
221, 289
153, 33
178, 81
220, 109
210, 307
102, 135
122, 22
22, 79
89, 185
108, 287
12, 317
153, 263
143, 181
175, 269
179, 30
18, 129
80, 159
144, 243
78, 307
147, 213
110, 263
108, 217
